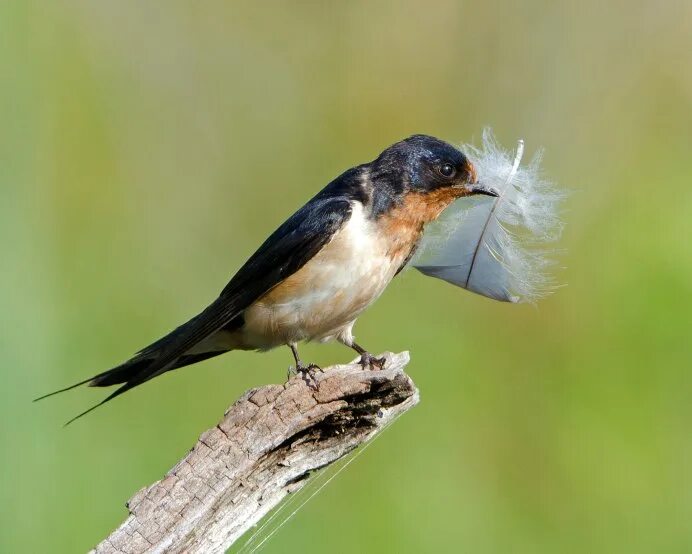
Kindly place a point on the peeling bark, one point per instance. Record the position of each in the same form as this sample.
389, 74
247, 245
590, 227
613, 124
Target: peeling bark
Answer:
264, 448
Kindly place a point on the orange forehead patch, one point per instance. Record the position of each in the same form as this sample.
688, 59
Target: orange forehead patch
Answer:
473, 177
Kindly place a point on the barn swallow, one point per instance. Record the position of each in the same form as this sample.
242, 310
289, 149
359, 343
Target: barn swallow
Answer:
313, 277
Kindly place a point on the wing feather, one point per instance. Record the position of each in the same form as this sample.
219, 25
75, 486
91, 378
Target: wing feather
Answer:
288, 249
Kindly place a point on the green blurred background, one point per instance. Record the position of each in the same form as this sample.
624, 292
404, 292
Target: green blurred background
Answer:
146, 149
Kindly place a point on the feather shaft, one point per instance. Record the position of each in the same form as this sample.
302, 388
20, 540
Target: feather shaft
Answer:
512, 173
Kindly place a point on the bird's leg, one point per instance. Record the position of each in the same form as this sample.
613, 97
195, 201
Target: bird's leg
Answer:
307, 372
367, 359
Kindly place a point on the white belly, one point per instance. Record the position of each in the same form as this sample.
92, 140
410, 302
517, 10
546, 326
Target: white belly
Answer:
323, 298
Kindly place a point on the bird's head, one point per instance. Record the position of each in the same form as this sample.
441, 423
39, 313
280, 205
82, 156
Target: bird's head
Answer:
423, 164
418, 177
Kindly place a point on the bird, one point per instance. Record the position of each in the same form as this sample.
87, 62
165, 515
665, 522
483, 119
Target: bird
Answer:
320, 270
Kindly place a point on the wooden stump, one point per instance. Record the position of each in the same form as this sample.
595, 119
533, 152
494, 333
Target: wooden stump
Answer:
264, 448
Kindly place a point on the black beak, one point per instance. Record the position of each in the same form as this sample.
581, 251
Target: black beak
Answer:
478, 188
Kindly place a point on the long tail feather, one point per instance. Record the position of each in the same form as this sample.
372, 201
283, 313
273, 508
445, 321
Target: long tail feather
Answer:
118, 392
183, 346
63, 390
119, 374
132, 373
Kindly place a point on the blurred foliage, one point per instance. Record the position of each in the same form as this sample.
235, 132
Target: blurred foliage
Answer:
147, 148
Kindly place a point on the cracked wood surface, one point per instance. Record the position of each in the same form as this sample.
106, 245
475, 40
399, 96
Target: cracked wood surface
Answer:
264, 448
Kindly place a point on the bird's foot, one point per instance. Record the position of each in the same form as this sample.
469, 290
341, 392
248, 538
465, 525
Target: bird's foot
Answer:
307, 373
368, 361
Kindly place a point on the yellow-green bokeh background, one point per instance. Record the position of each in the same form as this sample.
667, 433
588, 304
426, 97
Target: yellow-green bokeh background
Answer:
147, 148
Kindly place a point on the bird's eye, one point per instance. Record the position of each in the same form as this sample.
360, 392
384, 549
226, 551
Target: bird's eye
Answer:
447, 170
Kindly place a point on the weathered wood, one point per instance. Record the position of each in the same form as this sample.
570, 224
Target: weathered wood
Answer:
264, 448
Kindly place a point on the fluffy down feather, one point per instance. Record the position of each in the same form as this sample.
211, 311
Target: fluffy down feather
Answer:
497, 247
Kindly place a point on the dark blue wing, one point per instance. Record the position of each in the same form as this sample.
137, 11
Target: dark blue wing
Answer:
288, 249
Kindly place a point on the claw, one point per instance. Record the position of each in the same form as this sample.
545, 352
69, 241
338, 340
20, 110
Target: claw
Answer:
367, 360
307, 373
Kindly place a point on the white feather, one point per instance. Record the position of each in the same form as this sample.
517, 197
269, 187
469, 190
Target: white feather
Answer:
497, 247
